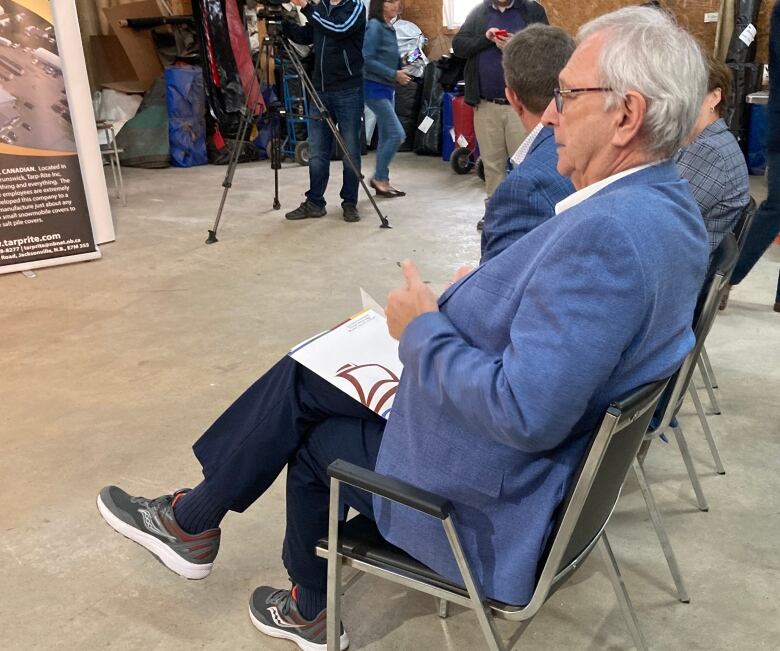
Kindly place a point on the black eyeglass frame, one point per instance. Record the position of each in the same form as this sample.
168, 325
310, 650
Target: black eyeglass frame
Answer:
559, 93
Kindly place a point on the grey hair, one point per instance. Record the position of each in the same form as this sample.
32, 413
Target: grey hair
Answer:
646, 51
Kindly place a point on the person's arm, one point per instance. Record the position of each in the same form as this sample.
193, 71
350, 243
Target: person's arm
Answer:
567, 337
343, 26
535, 13
371, 62
302, 34
470, 39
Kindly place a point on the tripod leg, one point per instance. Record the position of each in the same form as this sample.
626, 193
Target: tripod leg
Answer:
247, 113
312, 91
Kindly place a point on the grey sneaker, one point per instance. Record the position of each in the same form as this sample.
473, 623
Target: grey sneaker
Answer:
152, 525
351, 213
275, 613
305, 210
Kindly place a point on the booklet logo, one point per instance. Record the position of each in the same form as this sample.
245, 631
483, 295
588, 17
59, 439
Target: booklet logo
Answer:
375, 385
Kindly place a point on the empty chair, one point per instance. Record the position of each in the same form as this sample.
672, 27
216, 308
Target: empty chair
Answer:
579, 528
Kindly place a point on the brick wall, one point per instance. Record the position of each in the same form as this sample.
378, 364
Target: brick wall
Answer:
570, 15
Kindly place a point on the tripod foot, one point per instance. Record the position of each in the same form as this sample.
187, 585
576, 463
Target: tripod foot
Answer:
277, 205
385, 223
212, 238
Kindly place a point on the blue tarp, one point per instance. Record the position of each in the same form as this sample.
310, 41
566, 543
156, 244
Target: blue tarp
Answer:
186, 103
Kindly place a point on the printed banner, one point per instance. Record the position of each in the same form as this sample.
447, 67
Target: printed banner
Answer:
44, 216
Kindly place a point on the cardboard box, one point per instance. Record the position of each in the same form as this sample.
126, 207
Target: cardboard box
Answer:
137, 46
181, 7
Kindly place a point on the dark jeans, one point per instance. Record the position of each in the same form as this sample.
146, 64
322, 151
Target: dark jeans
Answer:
765, 226
291, 417
346, 109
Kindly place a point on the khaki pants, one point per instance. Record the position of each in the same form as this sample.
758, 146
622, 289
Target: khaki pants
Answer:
499, 134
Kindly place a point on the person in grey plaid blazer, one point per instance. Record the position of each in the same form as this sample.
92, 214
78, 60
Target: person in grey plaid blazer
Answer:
713, 163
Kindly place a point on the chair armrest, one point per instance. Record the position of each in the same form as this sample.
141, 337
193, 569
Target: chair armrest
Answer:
393, 489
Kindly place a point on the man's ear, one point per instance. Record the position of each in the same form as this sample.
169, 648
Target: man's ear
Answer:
514, 101
630, 117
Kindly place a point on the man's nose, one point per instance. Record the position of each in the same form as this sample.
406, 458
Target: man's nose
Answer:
550, 115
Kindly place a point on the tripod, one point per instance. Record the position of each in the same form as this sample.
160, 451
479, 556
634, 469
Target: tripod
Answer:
275, 42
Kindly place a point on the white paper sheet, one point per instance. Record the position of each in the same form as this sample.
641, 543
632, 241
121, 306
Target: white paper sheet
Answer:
359, 357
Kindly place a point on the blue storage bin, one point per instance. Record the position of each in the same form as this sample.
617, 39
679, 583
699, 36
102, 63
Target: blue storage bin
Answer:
756, 147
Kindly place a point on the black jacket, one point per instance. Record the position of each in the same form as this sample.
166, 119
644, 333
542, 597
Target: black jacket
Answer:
337, 34
470, 40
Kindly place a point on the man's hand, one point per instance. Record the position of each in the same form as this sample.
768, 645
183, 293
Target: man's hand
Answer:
402, 78
408, 302
299, 3
500, 37
465, 270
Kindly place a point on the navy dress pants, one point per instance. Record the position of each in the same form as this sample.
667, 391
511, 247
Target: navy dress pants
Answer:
291, 417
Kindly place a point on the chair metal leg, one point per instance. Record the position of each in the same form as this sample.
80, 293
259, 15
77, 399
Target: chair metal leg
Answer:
686, 455
444, 608
707, 385
334, 572
660, 530
643, 450
121, 184
621, 593
482, 610
706, 428
710, 373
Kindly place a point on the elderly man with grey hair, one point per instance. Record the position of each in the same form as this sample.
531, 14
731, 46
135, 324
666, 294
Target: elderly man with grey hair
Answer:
505, 376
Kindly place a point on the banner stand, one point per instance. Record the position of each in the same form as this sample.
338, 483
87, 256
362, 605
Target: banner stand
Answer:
54, 206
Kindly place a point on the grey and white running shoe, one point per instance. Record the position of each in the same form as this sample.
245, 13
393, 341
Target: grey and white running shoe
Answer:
275, 613
152, 525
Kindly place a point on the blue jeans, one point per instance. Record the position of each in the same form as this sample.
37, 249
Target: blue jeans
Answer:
391, 135
765, 226
346, 109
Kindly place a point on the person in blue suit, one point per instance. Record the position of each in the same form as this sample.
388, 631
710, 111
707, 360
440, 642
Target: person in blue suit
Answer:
505, 375
527, 196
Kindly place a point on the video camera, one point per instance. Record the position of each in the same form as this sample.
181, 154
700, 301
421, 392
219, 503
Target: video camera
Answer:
274, 13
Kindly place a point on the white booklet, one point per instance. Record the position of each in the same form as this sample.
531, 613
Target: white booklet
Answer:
359, 357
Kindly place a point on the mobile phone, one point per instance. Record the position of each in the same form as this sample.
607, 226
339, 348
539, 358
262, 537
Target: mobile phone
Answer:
502, 33
415, 54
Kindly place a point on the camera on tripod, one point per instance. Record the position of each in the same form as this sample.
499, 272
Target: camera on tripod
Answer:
274, 13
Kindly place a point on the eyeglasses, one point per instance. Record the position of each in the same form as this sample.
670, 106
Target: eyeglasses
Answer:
559, 94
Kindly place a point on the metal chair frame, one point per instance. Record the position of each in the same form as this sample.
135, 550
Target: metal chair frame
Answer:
680, 385
111, 152
741, 231
579, 529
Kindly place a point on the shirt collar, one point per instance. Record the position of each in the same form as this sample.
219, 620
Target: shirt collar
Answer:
525, 147
588, 191
509, 6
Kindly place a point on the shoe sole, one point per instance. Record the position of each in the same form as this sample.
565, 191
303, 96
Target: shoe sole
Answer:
302, 644
161, 551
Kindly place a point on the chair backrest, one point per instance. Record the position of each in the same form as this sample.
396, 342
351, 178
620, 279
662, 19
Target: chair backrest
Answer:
722, 263
596, 488
745, 221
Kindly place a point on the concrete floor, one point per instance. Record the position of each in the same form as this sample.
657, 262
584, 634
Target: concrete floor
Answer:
112, 368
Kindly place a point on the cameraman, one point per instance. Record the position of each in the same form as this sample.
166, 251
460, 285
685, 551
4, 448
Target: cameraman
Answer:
336, 28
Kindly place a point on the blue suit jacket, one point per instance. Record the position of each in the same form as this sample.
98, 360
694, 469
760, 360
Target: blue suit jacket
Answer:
503, 387
526, 197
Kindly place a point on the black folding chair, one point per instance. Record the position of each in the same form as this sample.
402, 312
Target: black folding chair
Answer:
721, 266
741, 231
579, 527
